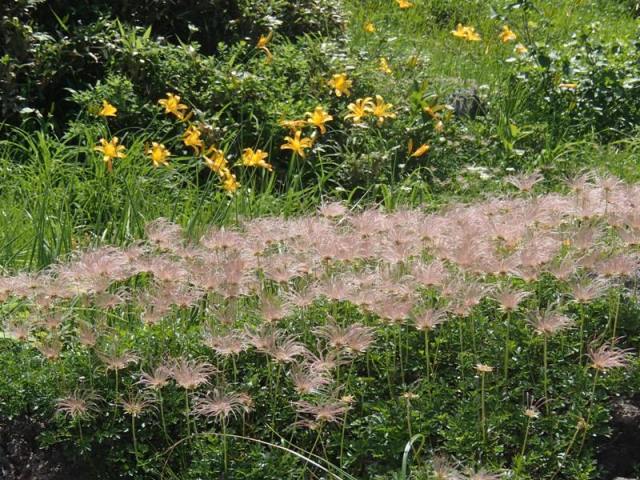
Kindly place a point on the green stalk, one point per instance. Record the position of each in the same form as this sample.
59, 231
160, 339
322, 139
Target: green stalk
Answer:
408, 408
344, 428
224, 444
545, 372
615, 317
135, 440
162, 421
187, 411
400, 354
482, 409
526, 437
506, 347
426, 353
582, 322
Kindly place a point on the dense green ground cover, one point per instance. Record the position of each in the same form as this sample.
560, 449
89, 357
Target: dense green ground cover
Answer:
561, 98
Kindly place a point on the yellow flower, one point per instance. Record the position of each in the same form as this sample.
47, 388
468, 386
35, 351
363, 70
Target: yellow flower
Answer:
296, 144
318, 118
521, 49
421, 150
507, 35
384, 66
369, 27
159, 154
568, 86
107, 110
341, 84
191, 138
404, 4
293, 125
255, 159
229, 182
382, 110
439, 126
110, 150
173, 106
214, 159
359, 109
263, 41
482, 368
466, 33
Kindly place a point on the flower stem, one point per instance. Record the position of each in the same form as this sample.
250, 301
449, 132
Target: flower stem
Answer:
506, 347
162, 421
224, 444
187, 411
135, 440
526, 437
482, 410
344, 428
545, 372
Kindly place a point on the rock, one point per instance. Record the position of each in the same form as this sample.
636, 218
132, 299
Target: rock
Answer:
618, 455
467, 103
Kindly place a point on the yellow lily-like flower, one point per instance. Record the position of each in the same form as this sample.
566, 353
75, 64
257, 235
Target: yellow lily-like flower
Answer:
229, 182
215, 160
421, 150
520, 49
384, 66
263, 41
359, 109
382, 110
159, 154
107, 110
191, 138
507, 35
293, 125
318, 118
466, 33
341, 84
251, 158
110, 150
173, 106
568, 86
296, 144
369, 27
404, 4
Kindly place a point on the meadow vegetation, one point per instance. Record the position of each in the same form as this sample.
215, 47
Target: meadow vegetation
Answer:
382, 239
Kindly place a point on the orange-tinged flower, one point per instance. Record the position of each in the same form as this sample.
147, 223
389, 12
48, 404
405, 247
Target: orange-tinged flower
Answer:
384, 66
229, 182
191, 138
318, 118
421, 150
159, 154
466, 33
382, 110
404, 4
215, 160
507, 35
107, 110
341, 84
173, 106
520, 49
257, 158
263, 41
110, 150
359, 109
296, 144
293, 125
369, 27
